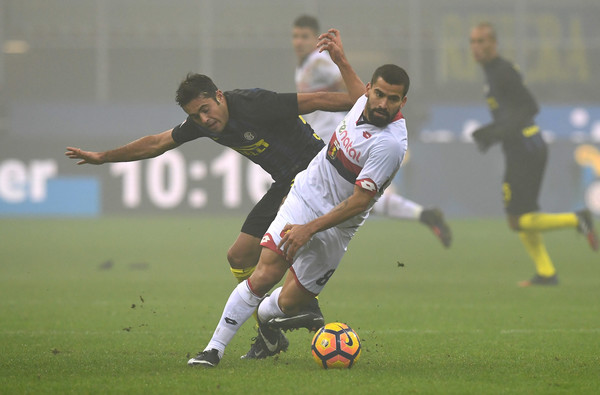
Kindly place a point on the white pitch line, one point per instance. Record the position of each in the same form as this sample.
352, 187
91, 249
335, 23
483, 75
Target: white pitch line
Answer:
556, 330
477, 331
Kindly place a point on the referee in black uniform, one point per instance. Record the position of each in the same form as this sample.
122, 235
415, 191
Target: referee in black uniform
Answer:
513, 111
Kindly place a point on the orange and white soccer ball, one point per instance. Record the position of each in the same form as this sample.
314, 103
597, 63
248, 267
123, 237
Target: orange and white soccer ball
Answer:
336, 345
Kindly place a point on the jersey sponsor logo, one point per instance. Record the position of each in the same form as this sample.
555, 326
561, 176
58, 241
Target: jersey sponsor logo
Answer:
367, 185
347, 144
250, 135
254, 149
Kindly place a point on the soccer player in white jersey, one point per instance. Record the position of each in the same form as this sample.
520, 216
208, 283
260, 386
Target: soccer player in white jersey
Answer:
328, 202
316, 72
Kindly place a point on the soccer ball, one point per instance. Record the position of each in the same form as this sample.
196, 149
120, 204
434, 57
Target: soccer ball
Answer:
335, 345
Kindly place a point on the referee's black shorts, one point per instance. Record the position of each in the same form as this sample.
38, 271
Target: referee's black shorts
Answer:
523, 180
265, 211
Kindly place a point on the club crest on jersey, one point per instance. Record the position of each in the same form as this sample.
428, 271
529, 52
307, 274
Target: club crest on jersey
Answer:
333, 149
367, 185
250, 135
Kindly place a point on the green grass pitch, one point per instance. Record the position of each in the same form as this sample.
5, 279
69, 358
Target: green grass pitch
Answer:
118, 305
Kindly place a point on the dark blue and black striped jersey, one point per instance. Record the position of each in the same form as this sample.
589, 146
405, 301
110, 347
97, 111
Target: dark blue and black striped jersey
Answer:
513, 107
263, 126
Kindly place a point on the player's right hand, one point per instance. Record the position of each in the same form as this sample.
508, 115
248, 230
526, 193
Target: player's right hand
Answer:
332, 42
294, 237
92, 158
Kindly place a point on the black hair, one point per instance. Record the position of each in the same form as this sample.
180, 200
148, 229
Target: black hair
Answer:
392, 74
307, 21
195, 85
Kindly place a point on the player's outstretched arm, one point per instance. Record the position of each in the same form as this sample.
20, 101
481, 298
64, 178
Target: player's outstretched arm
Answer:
332, 42
144, 148
324, 101
298, 235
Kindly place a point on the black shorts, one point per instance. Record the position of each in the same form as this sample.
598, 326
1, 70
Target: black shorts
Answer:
522, 181
265, 211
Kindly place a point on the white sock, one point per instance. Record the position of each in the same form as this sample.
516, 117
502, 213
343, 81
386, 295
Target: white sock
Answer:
239, 307
395, 206
269, 307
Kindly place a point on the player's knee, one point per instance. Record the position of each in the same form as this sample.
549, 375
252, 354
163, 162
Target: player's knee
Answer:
239, 259
244, 253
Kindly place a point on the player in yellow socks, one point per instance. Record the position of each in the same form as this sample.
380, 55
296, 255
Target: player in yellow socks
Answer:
242, 274
513, 111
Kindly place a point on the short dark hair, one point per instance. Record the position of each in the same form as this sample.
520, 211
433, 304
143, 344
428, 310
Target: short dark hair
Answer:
392, 74
307, 21
195, 85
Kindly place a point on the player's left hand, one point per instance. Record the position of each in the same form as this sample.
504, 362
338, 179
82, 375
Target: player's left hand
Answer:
295, 236
90, 157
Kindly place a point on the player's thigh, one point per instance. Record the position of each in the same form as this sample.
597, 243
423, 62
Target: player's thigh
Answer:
316, 262
263, 213
245, 251
521, 187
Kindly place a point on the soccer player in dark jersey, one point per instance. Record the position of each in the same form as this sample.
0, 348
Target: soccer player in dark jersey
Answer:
513, 111
261, 125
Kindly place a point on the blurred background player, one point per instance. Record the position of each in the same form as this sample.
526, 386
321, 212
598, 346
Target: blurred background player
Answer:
317, 72
513, 111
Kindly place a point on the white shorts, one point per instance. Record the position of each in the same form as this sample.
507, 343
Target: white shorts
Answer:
315, 262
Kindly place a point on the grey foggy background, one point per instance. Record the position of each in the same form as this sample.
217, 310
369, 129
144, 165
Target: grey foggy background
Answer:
98, 73
103, 51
